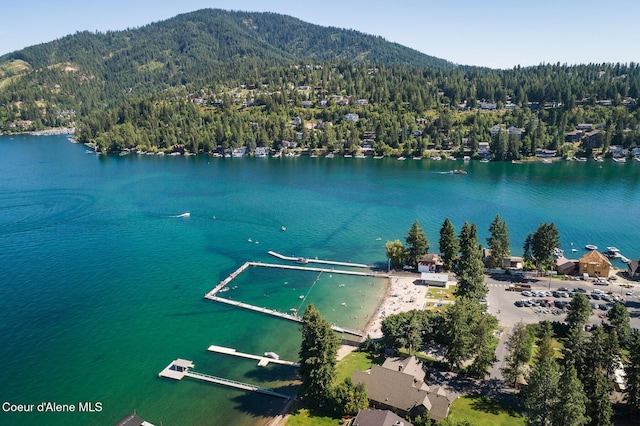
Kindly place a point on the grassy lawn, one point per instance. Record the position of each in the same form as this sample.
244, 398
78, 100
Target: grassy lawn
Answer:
483, 411
304, 417
360, 361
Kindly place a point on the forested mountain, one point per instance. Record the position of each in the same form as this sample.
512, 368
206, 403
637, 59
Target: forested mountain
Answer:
215, 80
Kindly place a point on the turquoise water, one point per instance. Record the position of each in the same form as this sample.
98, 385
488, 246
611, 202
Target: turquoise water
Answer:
102, 288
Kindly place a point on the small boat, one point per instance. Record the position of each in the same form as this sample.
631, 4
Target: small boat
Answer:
272, 355
451, 157
437, 158
343, 304
466, 158
249, 240
340, 285
379, 157
620, 159
302, 260
546, 161
599, 159
283, 228
558, 252
301, 297
591, 247
401, 158
224, 290
378, 239
185, 214
485, 160
612, 252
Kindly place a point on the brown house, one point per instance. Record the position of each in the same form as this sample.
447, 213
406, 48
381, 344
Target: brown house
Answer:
399, 385
595, 264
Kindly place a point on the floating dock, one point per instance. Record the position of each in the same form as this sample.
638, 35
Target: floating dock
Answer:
262, 360
180, 368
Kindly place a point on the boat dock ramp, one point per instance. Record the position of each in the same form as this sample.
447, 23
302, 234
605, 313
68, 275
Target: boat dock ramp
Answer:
180, 368
262, 360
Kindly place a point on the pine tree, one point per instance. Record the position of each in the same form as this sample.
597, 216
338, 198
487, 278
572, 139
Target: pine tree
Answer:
418, 244
317, 358
541, 393
579, 311
498, 242
572, 403
448, 244
544, 240
600, 408
632, 373
519, 346
619, 319
470, 269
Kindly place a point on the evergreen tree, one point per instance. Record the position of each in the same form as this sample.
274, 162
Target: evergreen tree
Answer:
317, 358
498, 242
418, 244
541, 393
448, 244
544, 240
600, 409
579, 311
619, 319
470, 269
632, 373
571, 407
527, 254
519, 347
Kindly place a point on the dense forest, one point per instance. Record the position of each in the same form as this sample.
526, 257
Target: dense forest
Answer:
213, 81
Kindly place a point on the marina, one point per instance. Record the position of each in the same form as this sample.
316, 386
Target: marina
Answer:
181, 368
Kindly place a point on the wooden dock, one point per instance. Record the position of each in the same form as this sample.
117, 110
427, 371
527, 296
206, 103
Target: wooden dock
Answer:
315, 269
309, 260
278, 314
180, 368
262, 360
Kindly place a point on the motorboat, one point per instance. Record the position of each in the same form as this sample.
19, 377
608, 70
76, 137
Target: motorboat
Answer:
612, 252
591, 247
272, 355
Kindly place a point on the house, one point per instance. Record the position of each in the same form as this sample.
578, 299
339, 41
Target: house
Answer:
433, 279
618, 151
483, 148
633, 269
584, 126
495, 130
565, 266
594, 264
573, 136
546, 153
512, 262
369, 417
398, 385
352, 117
367, 144
514, 131
488, 106
592, 139
362, 102
261, 151
430, 262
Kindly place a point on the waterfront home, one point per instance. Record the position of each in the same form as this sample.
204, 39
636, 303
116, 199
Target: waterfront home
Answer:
584, 126
514, 131
261, 151
573, 136
483, 148
399, 385
595, 264
565, 266
512, 262
487, 106
430, 262
369, 417
592, 139
633, 269
546, 153
352, 117
495, 130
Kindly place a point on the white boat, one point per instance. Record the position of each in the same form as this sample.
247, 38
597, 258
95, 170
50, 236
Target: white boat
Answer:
302, 260
591, 247
558, 252
401, 158
272, 355
612, 252
451, 157
485, 160
437, 158
466, 158
620, 159
284, 228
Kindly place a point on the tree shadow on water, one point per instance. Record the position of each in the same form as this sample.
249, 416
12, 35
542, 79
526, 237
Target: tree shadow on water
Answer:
260, 405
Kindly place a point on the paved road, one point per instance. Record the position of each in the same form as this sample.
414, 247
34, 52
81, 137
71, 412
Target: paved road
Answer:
495, 372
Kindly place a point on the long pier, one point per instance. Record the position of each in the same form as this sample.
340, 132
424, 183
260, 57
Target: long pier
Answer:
262, 360
181, 368
326, 262
278, 314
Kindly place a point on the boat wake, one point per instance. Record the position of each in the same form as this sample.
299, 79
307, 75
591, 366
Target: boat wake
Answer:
185, 214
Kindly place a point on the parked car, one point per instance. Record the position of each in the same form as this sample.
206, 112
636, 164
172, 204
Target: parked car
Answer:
579, 290
563, 289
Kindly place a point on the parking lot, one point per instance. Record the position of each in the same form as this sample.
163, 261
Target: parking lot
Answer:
548, 299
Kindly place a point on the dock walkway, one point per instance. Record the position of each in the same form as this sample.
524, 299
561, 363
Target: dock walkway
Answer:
180, 368
279, 314
326, 262
262, 360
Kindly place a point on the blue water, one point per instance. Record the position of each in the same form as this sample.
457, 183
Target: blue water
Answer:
102, 287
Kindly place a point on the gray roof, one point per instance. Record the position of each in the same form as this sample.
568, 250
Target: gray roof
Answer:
371, 417
403, 391
412, 366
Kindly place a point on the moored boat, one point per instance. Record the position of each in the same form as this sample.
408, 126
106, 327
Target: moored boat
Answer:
591, 247
272, 355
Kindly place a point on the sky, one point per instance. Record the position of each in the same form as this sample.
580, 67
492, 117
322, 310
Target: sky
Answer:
491, 33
